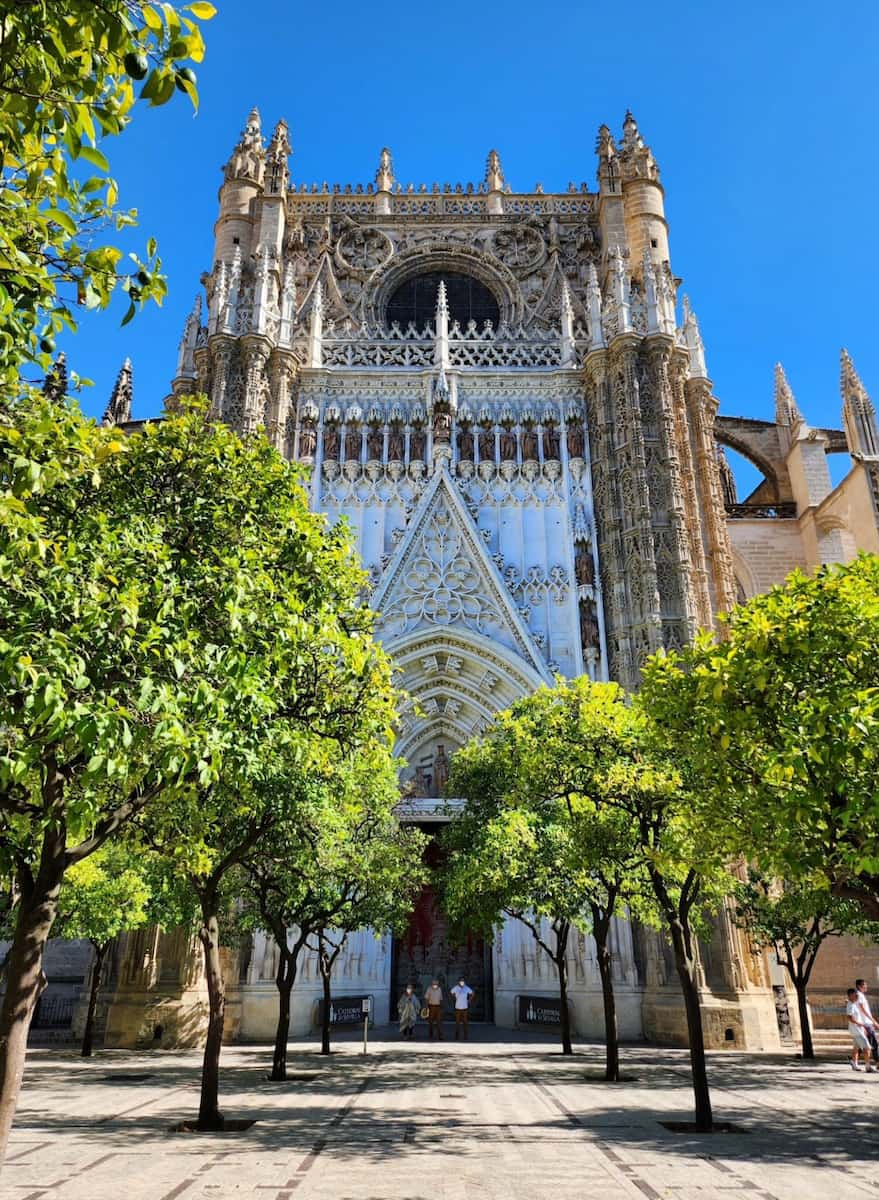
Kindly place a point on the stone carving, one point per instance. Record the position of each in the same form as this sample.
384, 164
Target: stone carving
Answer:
440, 769
508, 445
417, 444
550, 442
529, 443
362, 249
575, 439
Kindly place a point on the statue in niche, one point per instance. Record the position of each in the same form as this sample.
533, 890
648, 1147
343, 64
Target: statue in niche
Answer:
465, 445
331, 443
550, 442
486, 444
575, 440
529, 444
584, 565
351, 449
440, 770
423, 782
588, 625
374, 442
416, 444
395, 443
508, 445
307, 439
442, 424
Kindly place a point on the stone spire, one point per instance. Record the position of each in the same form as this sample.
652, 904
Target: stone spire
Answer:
248, 158
620, 290
441, 336
188, 342
786, 409
650, 296
288, 304
316, 327
55, 383
596, 331
568, 357
636, 158
277, 173
608, 165
858, 412
693, 341
727, 479
118, 410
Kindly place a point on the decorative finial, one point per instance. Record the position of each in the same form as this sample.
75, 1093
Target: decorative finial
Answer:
494, 172
442, 303
858, 412
277, 172
384, 176
786, 409
247, 158
693, 342
118, 410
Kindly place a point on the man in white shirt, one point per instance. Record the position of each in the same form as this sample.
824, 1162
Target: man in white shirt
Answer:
463, 993
857, 1030
867, 1017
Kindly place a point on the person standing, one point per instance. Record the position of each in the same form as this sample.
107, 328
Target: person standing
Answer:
867, 1017
407, 1011
463, 994
857, 1028
433, 998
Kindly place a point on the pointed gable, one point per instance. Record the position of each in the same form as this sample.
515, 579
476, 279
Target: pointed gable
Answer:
442, 575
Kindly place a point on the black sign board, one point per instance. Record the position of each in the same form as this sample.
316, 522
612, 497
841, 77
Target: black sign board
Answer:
345, 1010
540, 1010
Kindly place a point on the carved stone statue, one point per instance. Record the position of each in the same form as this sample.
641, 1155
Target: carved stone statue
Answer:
550, 442
442, 424
508, 445
529, 444
465, 445
584, 565
486, 444
416, 444
575, 440
440, 769
395, 443
331, 443
352, 443
588, 625
375, 442
307, 439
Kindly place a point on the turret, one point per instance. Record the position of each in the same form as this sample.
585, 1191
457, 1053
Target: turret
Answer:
186, 371
273, 209
858, 413
643, 196
611, 210
118, 410
242, 181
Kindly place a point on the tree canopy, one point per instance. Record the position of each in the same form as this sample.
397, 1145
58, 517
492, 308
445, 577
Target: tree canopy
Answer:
71, 73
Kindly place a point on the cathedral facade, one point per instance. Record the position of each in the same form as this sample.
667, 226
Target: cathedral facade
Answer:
507, 398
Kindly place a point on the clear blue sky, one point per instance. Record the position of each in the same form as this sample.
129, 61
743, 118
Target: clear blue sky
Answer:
763, 118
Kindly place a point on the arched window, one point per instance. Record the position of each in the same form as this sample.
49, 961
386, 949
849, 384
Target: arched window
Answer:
469, 300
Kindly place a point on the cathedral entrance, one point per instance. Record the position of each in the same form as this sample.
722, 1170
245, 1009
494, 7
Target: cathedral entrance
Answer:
427, 951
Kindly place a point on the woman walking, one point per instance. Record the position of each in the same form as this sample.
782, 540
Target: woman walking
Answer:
407, 1010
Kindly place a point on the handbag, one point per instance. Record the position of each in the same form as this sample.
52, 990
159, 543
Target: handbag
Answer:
425, 1013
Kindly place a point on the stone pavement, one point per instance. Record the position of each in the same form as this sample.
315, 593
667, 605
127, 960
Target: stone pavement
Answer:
502, 1116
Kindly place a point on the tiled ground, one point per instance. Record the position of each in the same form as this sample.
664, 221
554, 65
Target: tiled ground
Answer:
503, 1116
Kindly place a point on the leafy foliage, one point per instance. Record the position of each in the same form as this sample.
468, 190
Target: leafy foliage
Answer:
781, 721
104, 895
71, 72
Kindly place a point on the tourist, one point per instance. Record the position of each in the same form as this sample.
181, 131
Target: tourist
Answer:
463, 994
433, 998
407, 1011
867, 1017
858, 1030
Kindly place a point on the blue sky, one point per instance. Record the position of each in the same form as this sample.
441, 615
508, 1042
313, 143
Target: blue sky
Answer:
763, 118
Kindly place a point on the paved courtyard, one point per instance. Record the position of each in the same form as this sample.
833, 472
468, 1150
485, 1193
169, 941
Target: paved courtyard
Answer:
489, 1120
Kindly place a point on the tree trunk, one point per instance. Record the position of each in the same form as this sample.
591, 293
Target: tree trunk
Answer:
686, 966
325, 1020
561, 963
284, 980
24, 973
611, 1033
209, 1115
805, 1024
97, 967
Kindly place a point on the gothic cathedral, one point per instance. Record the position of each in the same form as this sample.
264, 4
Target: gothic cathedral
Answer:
506, 396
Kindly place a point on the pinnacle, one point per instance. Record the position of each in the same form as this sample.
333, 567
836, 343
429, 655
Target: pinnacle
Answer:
786, 409
850, 382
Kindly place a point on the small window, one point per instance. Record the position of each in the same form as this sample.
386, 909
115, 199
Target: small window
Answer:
653, 243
